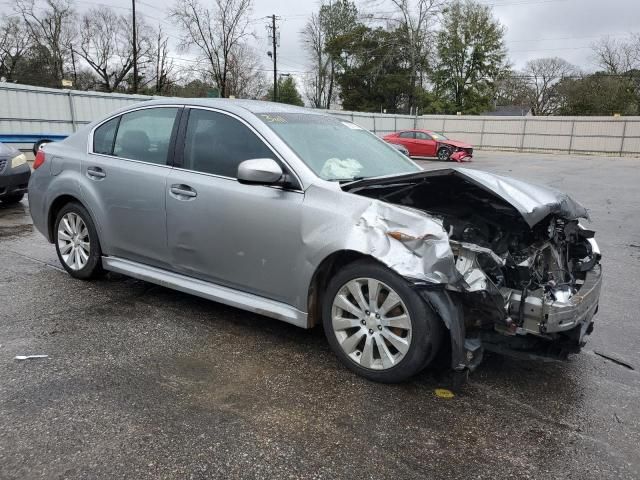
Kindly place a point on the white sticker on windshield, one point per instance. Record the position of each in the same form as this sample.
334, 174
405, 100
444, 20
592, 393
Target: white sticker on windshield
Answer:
352, 126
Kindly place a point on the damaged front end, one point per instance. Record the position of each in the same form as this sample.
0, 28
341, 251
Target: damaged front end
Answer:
528, 274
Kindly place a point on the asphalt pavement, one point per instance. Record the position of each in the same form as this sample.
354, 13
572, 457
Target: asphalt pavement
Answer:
144, 382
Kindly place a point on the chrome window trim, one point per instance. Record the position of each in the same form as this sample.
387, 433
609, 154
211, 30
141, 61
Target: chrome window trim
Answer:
255, 132
197, 107
119, 114
131, 160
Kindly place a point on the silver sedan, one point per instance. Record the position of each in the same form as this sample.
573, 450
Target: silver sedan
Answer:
309, 219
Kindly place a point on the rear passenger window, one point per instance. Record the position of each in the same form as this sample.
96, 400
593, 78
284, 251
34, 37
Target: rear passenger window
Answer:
145, 135
104, 135
217, 143
407, 135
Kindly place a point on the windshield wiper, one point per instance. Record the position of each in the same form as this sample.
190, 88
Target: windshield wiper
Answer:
346, 180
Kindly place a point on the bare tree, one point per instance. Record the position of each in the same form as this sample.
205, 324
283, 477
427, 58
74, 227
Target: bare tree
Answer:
418, 17
164, 67
621, 58
245, 80
215, 32
617, 56
334, 20
51, 27
313, 37
105, 43
543, 75
14, 44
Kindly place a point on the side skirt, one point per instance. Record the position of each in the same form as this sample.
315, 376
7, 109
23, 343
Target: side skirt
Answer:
211, 291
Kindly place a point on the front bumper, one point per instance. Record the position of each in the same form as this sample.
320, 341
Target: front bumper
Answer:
461, 156
14, 181
545, 316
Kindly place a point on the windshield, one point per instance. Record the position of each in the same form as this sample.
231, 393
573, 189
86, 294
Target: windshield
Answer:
337, 150
438, 136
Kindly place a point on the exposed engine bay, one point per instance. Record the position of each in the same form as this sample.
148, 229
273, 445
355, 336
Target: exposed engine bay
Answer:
529, 283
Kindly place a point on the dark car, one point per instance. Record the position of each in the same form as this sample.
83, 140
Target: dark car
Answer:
14, 174
429, 144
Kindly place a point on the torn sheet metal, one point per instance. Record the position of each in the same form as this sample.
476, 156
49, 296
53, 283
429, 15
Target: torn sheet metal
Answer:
460, 156
408, 241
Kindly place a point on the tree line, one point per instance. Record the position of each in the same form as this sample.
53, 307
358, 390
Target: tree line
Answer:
449, 56
398, 56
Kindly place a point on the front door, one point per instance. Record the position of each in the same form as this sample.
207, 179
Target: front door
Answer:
219, 230
426, 144
127, 169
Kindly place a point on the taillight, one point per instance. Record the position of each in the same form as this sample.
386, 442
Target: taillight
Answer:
39, 159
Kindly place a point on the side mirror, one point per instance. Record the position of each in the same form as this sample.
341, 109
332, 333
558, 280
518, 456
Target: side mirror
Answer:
259, 171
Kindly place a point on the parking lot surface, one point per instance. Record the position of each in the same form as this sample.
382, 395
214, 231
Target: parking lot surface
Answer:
144, 382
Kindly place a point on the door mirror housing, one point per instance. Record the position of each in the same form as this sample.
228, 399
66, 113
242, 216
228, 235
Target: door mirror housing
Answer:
260, 171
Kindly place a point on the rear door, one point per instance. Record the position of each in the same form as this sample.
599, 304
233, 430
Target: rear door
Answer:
126, 168
425, 144
219, 230
408, 140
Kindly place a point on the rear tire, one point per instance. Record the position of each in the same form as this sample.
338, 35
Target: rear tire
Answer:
387, 334
11, 199
76, 241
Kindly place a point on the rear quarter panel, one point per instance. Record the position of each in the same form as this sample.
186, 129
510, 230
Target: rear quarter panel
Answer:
58, 176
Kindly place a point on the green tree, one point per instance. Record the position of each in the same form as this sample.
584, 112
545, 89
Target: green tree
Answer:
374, 73
597, 94
332, 20
287, 92
471, 56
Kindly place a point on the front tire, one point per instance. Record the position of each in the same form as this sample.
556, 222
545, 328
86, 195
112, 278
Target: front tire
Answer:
444, 154
377, 325
76, 241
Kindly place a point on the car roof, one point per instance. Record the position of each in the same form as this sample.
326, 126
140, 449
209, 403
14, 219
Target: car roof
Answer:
253, 106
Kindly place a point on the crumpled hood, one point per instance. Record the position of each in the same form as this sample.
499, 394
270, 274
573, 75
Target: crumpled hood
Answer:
455, 143
533, 202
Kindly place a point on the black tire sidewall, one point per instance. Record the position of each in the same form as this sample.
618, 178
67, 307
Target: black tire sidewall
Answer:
94, 264
426, 328
11, 199
445, 149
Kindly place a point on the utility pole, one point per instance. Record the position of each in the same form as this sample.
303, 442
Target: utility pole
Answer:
135, 48
274, 35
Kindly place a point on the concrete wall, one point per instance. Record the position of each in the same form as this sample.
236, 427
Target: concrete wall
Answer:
588, 135
28, 112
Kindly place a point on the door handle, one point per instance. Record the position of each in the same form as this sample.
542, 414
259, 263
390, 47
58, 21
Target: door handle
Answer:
181, 191
96, 173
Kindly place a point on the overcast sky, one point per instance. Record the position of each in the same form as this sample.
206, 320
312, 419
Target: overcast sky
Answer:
535, 28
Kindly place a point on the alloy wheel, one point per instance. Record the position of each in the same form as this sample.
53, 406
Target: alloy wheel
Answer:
371, 323
73, 241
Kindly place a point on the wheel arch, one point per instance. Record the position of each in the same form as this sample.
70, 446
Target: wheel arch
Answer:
58, 203
321, 276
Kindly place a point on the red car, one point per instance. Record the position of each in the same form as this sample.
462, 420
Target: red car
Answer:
425, 143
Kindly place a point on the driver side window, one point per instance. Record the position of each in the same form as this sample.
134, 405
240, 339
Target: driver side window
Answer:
217, 143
